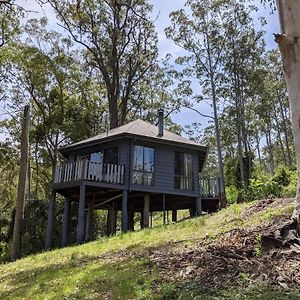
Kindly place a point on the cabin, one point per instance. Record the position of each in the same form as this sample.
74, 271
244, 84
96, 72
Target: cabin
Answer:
135, 168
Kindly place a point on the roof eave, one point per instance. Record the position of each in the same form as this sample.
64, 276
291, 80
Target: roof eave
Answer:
67, 149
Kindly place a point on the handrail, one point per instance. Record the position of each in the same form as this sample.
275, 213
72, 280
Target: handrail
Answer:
89, 170
209, 186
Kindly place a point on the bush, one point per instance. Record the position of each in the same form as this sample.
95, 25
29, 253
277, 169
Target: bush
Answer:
231, 194
4, 252
282, 184
282, 176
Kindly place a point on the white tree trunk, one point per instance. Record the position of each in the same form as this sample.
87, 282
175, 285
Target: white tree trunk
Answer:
289, 44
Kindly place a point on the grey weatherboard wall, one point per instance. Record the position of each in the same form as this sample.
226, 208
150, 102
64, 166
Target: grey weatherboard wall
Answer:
164, 168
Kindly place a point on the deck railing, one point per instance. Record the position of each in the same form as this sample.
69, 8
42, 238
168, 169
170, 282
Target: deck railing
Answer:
89, 170
209, 187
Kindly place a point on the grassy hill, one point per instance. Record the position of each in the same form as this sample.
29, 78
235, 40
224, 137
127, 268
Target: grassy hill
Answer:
210, 257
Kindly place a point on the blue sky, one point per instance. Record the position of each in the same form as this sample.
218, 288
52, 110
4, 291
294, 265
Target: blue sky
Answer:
161, 11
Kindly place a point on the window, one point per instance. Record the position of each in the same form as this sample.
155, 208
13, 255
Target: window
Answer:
143, 165
183, 171
107, 156
111, 156
96, 157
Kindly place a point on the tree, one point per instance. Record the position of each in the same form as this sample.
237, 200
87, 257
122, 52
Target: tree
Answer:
120, 40
19, 216
289, 45
243, 47
202, 36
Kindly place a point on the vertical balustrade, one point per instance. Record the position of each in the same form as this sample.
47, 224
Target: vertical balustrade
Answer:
88, 170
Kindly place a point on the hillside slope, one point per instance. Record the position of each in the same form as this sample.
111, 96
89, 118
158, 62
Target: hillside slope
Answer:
210, 257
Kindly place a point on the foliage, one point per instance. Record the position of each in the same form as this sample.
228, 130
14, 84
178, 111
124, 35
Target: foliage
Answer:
282, 184
120, 43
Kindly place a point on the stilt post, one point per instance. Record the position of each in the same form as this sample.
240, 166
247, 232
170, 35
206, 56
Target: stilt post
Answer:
124, 225
89, 221
50, 221
146, 210
81, 216
66, 223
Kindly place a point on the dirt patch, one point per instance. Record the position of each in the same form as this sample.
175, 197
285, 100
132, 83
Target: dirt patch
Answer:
261, 205
233, 258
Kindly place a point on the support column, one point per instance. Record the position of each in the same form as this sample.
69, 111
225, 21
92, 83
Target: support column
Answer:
89, 221
81, 216
174, 213
66, 223
192, 212
124, 225
50, 221
111, 219
130, 216
142, 220
164, 209
146, 210
198, 206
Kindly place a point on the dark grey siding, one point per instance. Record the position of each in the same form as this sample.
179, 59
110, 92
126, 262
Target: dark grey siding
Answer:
164, 165
124, 157
165, 170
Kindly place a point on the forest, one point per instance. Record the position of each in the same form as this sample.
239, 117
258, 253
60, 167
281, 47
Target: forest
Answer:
100, 67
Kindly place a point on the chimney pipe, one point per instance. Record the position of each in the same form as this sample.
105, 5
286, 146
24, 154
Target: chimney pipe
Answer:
160, 122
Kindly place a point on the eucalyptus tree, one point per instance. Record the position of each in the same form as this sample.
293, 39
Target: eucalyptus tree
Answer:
121, 41
288, 41
277, 87
46, 73
199, 29
244, 47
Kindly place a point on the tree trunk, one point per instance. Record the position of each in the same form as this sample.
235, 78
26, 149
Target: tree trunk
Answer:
289, 44
278, 129
223, 201
258, 148
19, 216
270, 150
285, 130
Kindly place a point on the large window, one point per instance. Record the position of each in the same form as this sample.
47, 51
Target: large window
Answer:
183, 171
143, 165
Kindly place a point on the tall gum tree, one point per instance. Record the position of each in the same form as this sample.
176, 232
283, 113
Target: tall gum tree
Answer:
200, 31
289, 45
121, 42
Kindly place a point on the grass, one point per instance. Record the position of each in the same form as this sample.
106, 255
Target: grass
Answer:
120, 268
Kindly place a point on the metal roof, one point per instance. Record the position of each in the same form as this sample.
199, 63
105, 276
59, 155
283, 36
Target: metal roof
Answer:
135, 128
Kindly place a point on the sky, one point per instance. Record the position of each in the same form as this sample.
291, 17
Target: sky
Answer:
161, 11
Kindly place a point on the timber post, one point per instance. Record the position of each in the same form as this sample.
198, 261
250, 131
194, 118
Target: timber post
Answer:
81, 216
124, 225
146, 210
198, 206
50, 221
174, 213
164, 209
89, 221
130, 216
66, 223
111, 219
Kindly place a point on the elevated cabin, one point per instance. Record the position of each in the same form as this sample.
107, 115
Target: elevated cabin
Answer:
137, 167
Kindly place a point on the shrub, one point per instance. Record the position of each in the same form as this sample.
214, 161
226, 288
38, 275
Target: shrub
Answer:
4, 252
